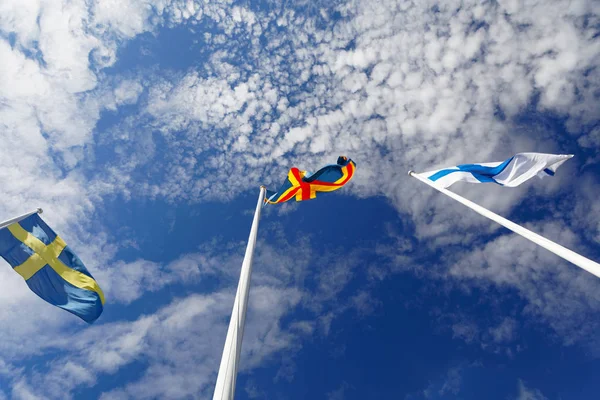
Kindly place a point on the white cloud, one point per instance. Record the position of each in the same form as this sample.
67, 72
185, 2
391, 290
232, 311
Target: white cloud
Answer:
175, 366
21, 391
128, 92
126, 282
365, 303
592, 140
465, 330
526, 393
339, 393
453, 382
448, 385
436, 106
557, 292
126, 18
505, 331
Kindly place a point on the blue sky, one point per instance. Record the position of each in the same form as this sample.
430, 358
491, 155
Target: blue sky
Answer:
145, 127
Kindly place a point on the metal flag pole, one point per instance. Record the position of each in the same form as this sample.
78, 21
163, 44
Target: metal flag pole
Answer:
19, 218
577, 259
225, 387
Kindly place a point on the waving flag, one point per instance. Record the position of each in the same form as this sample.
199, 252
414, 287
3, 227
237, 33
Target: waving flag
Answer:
50, 268
304, 186
512, 172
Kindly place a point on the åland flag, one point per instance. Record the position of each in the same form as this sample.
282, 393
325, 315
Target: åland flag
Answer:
50, 268
304, 186
512, 172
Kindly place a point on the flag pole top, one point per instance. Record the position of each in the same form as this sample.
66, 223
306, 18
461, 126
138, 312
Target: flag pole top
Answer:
11, 221
410, 172
263, 187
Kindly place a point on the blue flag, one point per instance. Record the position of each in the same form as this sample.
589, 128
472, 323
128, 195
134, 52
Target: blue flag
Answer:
50, 268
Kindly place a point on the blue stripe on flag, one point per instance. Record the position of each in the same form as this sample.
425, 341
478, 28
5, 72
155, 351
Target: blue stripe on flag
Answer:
51, 287
480, 172
549, 171
71, 260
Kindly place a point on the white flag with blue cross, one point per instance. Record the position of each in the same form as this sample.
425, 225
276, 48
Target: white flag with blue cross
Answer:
512, 172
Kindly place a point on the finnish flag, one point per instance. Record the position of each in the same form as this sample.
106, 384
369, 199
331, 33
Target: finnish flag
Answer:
512, 172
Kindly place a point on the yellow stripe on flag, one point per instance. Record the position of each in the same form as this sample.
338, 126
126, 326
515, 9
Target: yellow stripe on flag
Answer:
49, 255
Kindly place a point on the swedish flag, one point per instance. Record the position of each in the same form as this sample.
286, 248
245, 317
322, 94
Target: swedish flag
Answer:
50, 268
304, 186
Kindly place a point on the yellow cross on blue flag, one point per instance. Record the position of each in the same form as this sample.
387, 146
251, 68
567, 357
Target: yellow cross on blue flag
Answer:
50, 268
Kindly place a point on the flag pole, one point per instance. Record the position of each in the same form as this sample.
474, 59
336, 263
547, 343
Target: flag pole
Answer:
225, 386
577, 259
19, 218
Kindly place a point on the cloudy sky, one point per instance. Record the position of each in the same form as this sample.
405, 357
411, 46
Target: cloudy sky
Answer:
144, 128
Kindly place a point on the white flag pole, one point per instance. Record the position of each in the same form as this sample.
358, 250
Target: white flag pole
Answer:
19, 218
225, 387
577, 259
